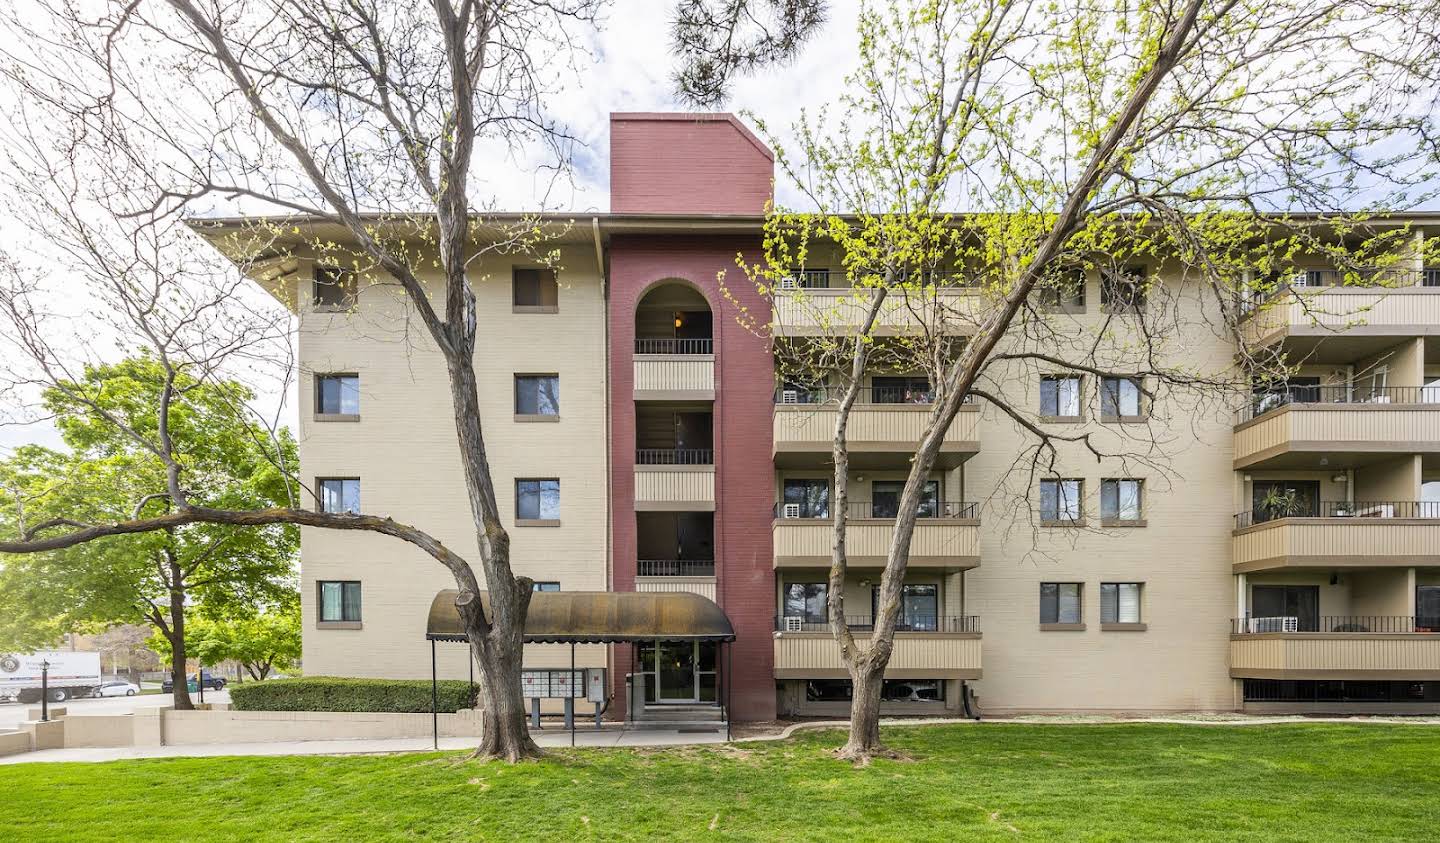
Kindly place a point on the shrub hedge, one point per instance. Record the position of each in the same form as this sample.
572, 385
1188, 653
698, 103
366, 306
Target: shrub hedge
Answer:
334, 693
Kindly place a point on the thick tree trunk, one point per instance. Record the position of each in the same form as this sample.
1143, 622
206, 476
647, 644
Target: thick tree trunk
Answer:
867, 680
176, 635
505, 733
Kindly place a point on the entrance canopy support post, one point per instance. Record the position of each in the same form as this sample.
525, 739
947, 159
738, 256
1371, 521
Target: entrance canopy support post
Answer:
434, 696
571, 701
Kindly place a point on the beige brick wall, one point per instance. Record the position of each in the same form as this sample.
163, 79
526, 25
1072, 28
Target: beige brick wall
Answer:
403, 449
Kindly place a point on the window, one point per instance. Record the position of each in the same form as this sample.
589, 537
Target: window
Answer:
537, 395
1060, 396
339, 601
1060, 602
901, 390
806, 600
1060, 500
806, 499
1427, 607
337, 395
545, 586
1120, 602
1120, 500
533, 290
334, 288
1123, 290
894, 690
537, 500
919, 607
886, 502
1119, 398
1065, 292
340, 494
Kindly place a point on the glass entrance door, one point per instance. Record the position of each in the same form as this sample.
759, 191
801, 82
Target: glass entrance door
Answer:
679, 671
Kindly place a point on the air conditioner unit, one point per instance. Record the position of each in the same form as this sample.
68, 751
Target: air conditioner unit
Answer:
789, 283
1277, 624
791, 510
794, 624
790, 396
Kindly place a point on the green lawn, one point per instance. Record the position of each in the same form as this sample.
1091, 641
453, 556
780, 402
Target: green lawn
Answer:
1094, 782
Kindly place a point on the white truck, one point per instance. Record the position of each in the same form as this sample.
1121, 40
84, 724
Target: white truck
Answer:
72, 675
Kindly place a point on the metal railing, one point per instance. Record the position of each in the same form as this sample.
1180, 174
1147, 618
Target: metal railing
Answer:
1341, 509
1267, 400
1312, 279
806, 279
1430, 277
879, 509
860, 623
869, 395
674, 345
674, 456
1335, 623
820, 279
675, 568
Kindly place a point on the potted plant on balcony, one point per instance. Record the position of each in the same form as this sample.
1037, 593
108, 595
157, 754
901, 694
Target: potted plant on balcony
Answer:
1280, 504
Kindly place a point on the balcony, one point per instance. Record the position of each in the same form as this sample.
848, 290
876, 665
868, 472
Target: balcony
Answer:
1359, 647
947, 307
948, 649
672, 369
1347, 534
883, 431
1348, 425
1352, 320
693, 575
674, 480
947, 537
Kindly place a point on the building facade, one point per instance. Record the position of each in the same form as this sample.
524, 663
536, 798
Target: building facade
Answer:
641, 438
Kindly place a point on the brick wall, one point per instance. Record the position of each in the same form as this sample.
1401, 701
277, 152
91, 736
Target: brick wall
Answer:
687, 164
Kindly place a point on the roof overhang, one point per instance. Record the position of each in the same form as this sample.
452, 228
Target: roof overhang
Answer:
597, 617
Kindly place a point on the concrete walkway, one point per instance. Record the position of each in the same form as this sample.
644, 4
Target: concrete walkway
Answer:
546, 738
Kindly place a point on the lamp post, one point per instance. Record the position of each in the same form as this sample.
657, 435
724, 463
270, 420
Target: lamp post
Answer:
45, 691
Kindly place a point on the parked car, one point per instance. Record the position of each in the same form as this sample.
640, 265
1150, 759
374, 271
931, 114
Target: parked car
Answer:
117, 689
212, 683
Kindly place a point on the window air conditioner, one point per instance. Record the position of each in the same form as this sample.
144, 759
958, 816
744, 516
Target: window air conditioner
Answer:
1278, 624
791, 510
794, 624
790, 396
789, 283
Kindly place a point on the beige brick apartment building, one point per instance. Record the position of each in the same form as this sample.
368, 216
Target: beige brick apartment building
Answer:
641, 441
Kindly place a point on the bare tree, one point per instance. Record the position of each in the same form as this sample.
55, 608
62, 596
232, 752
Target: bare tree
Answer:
1076, 142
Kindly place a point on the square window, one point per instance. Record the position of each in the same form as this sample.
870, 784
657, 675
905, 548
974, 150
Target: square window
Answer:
1060, 396
534, 289
339, 601
1065, 291
1120, 398
806, 600
537, 500
1060, 602
1060, 500
337, 395
1120, 500
806, 499
340, 494
886, 503
537, 395
1123, 289
545, 586
1120, 602
334, 288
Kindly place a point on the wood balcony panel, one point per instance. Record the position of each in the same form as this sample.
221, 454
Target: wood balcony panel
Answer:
1291, 436
703, 586
879, 435
838, 310
950, 544
675, 488
1340, 655
1351, 313
917, 655
1336, 543
674, 377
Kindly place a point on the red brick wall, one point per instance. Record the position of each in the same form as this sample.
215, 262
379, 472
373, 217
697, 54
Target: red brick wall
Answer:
687, 164
744, 473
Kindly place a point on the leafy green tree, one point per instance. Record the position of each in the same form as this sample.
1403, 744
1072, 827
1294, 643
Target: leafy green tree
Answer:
152, 577
260, 642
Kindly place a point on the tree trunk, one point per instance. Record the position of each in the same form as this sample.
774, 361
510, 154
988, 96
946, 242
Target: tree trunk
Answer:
176, 635
505, 733
867, 680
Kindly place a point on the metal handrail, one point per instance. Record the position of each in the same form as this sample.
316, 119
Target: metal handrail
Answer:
674, 345
674, 456
868, 509
1335, 623
1343, 509
675, 568
1268, 400
860, 623
884, 395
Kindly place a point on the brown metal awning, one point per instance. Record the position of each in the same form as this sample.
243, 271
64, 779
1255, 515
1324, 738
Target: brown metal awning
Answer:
598, 617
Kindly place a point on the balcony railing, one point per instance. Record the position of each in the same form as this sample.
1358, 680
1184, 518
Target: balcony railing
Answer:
674, 456
1273, 399
1382, 624
675, 568
1341, 509
871, 395
865, 623
879, 509
673, 345
1310, 279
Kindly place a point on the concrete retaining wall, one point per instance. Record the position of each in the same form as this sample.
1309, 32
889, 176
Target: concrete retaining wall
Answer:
99, 730
12, 743
182, 728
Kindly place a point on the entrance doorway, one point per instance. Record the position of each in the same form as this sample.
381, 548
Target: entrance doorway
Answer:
679, 671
